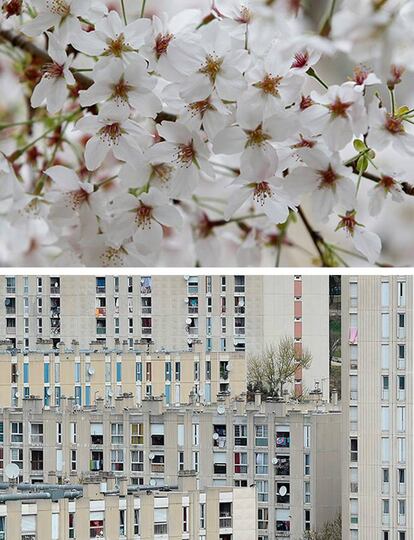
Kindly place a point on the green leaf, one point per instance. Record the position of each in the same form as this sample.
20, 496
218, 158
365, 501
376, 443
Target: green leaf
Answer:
359, 145
362, 164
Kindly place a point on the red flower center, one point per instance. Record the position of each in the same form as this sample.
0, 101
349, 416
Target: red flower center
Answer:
161, 44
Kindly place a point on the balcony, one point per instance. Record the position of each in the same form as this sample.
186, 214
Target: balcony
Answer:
239, 310
146, 310
10, 310
100, 289
11, 330
11, 289
55, 312
101, 330
160, 529
157, 467
36, 438
193, 310
146, 331
240, 331
192, 331
100, 312
54, 290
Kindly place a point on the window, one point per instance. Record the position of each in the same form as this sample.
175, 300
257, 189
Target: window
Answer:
401, 290
262, 488
385, 449
178, 371
401, 511
195, 434
354, 449
36, 460
16, 435
220, 462
239, 284
353, 294
136, 521
353, 387
401, 357
240, 462
16, 457
307, 520
401, 481
353, 418
401, 325
160, 520
282, 467
282, 492
385, 481
122, 525
385, 294
353, 507
137, 433
117, 460
262, 518
282, 437
36, 433
157, 434
385, 511
202, 515
186, 518
73, 460
195, 461
261, 438
240, 435
401, 419
400, 387
262, 462
353, 476
11, 285
96, 524
385, 385
100, 285
385, 418
307, 492
137, 460
307, 464
385, 325
180, 461
401, 449
306, 436
71, 525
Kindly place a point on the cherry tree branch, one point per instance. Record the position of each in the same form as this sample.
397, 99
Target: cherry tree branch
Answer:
407, 188
315, 236
25, 45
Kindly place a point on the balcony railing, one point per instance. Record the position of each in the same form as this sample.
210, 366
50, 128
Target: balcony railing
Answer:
54, 290
192, 309
193, 331
100, 312
101, 330
100, 289
146, 310
36, 438
146, 330
11, 290
239, 310
10, 330
225, 522
145, 290
10, 310
240, 331
160, 528
157, 467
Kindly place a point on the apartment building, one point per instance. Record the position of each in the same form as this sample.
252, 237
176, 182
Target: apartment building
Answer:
377, 405
87, 375
227, 313
289, 451
109, 510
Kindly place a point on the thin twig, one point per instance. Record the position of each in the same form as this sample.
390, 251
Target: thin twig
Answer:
26, 45
315, 236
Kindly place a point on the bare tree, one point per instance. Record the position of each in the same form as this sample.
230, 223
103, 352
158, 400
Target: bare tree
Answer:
332, 530
269, 371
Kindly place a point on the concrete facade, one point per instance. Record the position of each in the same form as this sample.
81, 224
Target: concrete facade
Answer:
377, 404
227, 313
289, 451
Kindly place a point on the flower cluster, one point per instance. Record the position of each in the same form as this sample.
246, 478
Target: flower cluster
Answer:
203, 136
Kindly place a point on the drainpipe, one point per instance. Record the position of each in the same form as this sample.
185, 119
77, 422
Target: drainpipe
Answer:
24, 496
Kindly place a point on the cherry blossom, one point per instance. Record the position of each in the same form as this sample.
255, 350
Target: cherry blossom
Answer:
52, 88
114, 131
233, 133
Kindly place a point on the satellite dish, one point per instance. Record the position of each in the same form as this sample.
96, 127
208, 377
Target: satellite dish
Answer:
282, 491
17, 394
275, 461
185, 300
48, 392
215, 436
91, 371
153, 482
12, 471
151, 456
221, 409
228, 367
189, 341
186, 278
188, 320
110, 393
241, 302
